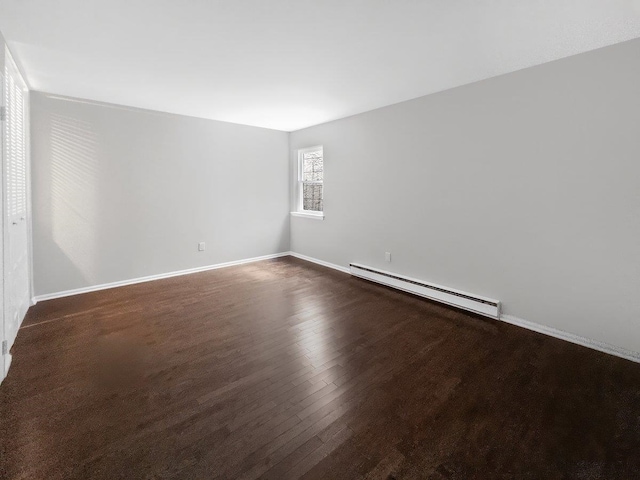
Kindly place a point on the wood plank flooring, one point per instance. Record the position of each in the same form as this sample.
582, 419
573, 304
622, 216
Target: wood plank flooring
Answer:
284, 369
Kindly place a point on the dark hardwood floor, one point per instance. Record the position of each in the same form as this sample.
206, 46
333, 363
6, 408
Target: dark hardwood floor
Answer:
284, 369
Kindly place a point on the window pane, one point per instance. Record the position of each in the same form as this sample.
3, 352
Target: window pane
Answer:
312, 197
312, 170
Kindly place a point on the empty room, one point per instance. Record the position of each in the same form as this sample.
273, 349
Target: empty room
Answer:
286, 239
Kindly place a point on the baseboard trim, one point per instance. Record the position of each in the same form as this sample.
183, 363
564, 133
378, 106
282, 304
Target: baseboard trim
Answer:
320, 262
150, 278
570, 337
536, 327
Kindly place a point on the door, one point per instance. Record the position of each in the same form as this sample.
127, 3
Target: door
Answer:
5, 359
16, 241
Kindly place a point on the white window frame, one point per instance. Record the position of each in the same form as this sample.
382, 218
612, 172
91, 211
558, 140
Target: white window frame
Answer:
300, 212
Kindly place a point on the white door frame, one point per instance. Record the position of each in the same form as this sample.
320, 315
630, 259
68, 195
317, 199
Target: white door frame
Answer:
9, 331
6, 357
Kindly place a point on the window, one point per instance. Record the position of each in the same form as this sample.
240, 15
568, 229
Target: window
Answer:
310, 182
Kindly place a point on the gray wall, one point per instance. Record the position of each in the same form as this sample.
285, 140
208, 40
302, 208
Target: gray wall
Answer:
120, 193
524, 188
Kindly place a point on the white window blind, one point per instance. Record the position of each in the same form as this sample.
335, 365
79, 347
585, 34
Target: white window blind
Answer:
15, 142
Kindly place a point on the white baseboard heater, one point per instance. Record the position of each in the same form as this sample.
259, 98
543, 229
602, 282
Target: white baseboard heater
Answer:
474, 303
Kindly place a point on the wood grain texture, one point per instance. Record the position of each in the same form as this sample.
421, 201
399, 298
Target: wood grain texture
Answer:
285, 369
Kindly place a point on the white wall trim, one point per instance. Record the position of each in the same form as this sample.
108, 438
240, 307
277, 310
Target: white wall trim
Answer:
321, 262
573, 338
150, 278
303, 214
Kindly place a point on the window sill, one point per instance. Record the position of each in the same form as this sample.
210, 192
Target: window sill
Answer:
315, 216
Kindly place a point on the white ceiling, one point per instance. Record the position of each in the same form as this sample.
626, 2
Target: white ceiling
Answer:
289, 64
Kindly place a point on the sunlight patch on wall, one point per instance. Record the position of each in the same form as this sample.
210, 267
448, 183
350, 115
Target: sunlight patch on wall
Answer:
74, 169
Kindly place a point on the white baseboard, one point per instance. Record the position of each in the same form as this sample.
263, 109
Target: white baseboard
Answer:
150, 278
320, 262
570, 337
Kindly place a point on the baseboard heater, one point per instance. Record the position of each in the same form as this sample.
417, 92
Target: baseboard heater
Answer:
467, 301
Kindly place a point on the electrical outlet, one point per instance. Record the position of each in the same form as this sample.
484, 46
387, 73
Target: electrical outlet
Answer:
201, 247
387, 256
